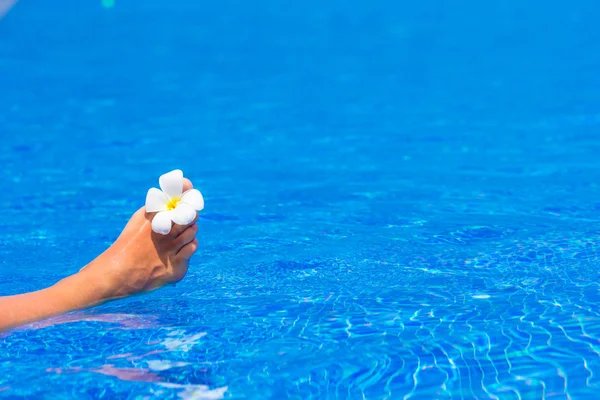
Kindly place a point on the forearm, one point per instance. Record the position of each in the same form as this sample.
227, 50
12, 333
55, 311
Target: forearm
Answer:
75, 292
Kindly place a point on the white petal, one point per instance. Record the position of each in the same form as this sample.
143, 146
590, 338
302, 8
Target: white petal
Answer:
172, 183
156, 200
194, 198
161, 223
183, 214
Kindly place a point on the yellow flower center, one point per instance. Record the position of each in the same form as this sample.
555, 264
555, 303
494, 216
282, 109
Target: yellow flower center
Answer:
172, 204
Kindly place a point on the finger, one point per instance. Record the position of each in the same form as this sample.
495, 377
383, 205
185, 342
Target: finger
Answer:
179, 270
177, 230
186, 237
187, 184
188, 250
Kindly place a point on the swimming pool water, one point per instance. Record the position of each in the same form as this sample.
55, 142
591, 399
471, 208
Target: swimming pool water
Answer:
401, 198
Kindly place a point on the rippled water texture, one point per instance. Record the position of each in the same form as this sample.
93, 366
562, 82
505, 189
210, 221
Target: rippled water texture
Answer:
401, 199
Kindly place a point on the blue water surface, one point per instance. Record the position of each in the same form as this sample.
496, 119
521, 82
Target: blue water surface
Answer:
402, 198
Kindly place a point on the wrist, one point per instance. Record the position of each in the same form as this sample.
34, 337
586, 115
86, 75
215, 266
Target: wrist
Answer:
81, 290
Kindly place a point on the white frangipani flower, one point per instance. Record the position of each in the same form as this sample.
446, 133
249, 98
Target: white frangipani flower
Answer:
171, 204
